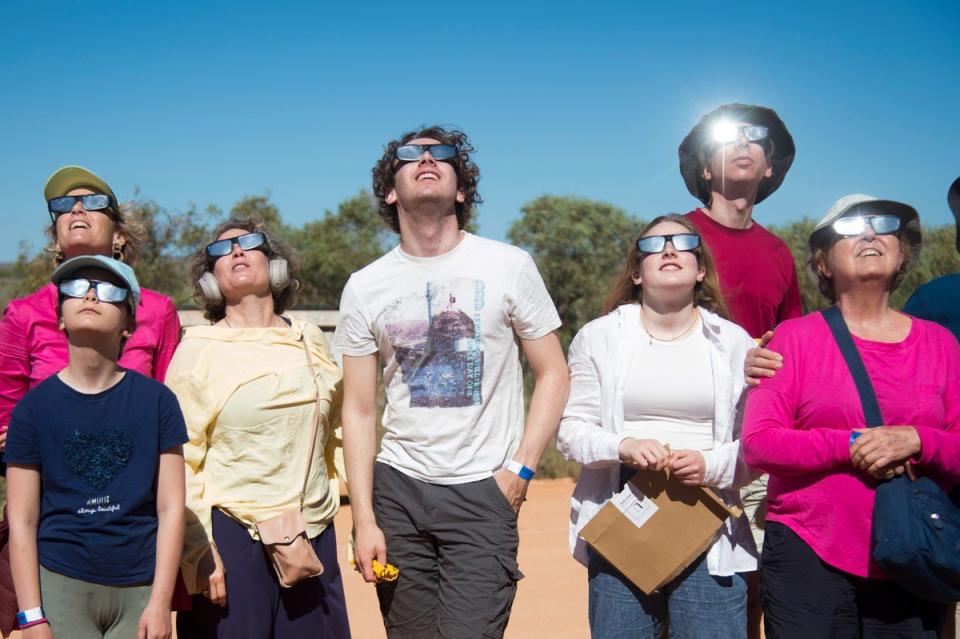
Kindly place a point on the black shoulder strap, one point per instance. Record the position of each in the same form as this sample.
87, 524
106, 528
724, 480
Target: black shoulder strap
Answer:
871, 409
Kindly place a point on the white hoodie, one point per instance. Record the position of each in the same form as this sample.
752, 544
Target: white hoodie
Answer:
592, 426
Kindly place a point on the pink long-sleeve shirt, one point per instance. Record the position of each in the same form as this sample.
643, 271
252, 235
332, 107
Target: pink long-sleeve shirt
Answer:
797, 428
32, 346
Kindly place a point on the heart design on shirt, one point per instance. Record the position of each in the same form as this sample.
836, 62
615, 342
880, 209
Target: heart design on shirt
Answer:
98, 459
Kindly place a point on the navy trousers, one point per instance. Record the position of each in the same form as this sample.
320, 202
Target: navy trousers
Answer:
257, 607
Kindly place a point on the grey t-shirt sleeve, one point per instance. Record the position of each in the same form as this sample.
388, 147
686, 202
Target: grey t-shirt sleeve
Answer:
354, 335
533, 313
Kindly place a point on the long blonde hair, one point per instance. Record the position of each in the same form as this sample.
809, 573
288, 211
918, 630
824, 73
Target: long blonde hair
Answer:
705, 293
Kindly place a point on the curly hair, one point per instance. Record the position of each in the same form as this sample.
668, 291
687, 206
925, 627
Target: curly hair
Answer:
275, 247
468, 173
705, 293
132, 230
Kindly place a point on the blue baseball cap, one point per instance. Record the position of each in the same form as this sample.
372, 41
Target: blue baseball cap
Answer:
118, 268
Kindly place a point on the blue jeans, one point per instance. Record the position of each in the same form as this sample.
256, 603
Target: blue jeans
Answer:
698, 605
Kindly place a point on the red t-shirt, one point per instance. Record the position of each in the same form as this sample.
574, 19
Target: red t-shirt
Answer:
757, 276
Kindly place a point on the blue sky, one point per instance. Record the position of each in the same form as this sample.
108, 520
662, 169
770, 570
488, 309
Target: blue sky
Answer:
204, 102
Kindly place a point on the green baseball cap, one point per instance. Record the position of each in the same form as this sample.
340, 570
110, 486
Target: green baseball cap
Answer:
67, 178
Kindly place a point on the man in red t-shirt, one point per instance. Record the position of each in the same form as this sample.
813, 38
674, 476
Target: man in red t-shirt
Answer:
734, 158
731, 161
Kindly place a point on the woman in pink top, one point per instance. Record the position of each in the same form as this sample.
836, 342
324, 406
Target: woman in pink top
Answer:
32, 346
817, 574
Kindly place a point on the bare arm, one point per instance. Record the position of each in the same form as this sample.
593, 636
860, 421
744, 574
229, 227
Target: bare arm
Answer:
155, 620
358, 419
546, 405
23, 515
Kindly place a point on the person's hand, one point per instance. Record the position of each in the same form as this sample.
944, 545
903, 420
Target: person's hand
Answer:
368, 544
688, 466
40, 631
513, 487
155, 622
211, 577
762, 362
884, 452
645, 454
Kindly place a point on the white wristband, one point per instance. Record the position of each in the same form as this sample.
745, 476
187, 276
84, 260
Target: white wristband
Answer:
520, 470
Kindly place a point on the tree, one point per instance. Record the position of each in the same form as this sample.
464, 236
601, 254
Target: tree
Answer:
938, 256
579, 246
335, 246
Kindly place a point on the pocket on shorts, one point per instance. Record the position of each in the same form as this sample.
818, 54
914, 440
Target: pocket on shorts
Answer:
501, 600
498, 499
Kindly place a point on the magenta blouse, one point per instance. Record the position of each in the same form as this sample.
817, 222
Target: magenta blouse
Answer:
797, 428
32, 347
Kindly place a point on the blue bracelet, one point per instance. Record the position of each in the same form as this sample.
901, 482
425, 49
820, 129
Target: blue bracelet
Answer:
25, 617
520, 470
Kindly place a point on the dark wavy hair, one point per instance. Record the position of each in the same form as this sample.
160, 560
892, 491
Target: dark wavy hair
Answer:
705, 294
276, 247
468, 173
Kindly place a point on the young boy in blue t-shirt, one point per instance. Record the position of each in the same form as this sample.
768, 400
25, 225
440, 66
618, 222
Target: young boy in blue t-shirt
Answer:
95, 477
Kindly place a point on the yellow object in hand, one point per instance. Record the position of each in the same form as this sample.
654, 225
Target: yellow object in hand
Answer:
384, 573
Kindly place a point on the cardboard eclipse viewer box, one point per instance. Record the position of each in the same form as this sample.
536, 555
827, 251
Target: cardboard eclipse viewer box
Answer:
655, 527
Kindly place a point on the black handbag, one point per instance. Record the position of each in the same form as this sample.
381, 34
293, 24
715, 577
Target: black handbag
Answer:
915, 537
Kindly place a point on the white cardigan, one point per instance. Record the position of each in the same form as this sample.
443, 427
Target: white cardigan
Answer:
592, 426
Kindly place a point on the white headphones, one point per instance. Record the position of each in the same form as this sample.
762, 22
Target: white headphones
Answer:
279, 280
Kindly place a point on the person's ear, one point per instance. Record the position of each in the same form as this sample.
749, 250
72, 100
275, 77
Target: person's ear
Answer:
391, 197
635, 277
461, 197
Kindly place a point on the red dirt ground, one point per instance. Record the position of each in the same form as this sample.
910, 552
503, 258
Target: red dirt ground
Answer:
551, 599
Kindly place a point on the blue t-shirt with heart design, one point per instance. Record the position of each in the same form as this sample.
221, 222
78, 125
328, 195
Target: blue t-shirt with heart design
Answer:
98, 456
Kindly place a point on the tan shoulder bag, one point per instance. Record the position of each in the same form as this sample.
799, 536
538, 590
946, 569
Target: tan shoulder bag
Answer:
284, 537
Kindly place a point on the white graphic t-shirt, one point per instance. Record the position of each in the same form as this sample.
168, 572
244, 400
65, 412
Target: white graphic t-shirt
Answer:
447, 330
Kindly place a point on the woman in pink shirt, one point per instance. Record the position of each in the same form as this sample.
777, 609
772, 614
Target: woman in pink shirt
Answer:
86, 219
817, 573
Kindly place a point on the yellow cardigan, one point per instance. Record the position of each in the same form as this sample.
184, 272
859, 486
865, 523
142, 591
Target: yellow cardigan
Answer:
248, 400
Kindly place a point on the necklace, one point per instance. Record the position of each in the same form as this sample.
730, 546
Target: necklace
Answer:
686, 331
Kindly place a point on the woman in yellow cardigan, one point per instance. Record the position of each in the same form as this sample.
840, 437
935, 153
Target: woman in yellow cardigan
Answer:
249, 394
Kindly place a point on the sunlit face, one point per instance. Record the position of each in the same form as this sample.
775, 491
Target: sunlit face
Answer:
424, 182
868, 256
242, 272
82, 232
91, 316
670, 271
738, 162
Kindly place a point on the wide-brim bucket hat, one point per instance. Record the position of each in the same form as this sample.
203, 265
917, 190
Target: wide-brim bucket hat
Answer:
691, 149
858, 203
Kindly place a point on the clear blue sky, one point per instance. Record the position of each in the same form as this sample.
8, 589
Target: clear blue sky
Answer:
205, 102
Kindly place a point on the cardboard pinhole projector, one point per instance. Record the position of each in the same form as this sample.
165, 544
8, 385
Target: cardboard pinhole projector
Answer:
655, 527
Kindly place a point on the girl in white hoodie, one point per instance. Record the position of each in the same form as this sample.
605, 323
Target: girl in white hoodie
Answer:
656, 383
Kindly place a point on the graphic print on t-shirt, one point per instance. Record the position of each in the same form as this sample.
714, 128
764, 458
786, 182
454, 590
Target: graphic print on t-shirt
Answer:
97, 459
436, 337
